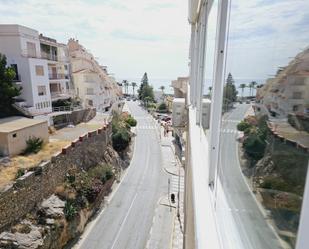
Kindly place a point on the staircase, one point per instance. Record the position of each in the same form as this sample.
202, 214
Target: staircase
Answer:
22, 110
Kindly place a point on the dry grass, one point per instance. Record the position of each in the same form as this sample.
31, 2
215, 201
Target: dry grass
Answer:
8, 171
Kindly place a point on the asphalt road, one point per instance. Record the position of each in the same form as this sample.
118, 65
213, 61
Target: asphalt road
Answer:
251, 224
126, 222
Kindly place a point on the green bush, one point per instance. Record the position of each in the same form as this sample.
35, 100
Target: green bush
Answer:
275, 183
69, 210
162, 107
121, 139
34, 145
243, 125
20, 172
254, 146
131, 121
101, 172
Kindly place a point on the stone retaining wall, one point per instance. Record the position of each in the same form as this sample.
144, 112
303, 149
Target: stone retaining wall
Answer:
23, 195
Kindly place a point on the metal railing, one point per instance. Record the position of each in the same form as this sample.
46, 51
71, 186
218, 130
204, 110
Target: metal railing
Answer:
57, 76
48, 56
66, 108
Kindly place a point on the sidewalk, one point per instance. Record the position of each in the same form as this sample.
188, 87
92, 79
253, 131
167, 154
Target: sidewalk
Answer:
174, 168
167, 227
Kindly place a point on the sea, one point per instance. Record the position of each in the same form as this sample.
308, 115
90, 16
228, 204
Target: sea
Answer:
167, 82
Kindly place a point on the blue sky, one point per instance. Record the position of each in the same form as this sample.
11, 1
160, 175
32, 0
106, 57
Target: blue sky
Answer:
130, 37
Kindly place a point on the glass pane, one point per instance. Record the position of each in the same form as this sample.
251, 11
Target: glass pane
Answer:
209, 62
264, 129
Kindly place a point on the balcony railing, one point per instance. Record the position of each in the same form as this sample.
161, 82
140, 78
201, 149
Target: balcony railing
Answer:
61, 95
49, 56
57, 76
30, 54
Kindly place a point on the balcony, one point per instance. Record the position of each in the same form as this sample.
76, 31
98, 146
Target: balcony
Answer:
48, 56
30, 54
55, 76
61, 95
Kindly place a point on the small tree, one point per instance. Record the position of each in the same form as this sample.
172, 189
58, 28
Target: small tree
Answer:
34, 145
7, 89
121, 139
230, 93
144, 82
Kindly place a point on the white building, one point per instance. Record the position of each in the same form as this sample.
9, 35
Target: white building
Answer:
21, 46
288, 91
41, 66
93, 85
57, 56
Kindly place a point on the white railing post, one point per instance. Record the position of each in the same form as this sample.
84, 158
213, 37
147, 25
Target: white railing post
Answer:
201, 72
302, 235
217, 93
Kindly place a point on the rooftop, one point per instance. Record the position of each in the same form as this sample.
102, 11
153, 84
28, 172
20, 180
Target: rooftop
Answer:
17, 123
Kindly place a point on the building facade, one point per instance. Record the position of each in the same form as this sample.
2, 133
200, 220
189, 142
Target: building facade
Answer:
93, 85
288, 91
21, 45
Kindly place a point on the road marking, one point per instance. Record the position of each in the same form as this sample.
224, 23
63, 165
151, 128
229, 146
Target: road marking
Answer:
146, 127
124, 220
259, 205
91, 225
230, 131
133, 200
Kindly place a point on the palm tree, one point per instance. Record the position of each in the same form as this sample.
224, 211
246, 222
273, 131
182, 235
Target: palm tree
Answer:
242, 86
133, 84
254, 85
162, 89
251, 86
126, 85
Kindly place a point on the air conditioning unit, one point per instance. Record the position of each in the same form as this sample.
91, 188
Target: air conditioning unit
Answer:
179, 117
206, 113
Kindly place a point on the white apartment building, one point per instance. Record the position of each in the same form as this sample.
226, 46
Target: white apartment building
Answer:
41, 65
93, 85
289, 91
21, 45
180, 86
57, 56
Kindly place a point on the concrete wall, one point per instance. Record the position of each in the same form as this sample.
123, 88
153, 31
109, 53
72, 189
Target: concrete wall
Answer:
74, 117
4, 148
22, 196
17, 144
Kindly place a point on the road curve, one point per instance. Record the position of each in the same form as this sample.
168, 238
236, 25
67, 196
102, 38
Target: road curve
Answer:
126, 222
253, 229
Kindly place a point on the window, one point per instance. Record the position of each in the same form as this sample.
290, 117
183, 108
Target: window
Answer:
90, 102
90, 91
14, 135
261, 168
41, 90
297, 95
67, 85
295, 108
39, 70
66, 67
31, 49
15, 68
